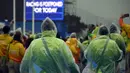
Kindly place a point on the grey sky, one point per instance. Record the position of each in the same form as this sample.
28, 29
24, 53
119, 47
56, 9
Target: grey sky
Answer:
91, 10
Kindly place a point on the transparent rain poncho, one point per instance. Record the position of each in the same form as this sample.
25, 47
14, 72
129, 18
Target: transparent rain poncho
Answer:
106, 63
38, 60
110, 59
116, 36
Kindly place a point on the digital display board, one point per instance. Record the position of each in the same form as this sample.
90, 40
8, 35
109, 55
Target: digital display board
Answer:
53, 9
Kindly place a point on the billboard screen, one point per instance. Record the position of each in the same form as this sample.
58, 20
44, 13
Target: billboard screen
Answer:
53, 9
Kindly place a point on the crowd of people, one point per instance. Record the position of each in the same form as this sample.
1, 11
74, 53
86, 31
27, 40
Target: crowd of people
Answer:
102, 51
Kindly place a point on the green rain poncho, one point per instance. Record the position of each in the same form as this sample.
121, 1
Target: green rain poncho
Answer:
111, 55
37, 59
119, 40
114, 35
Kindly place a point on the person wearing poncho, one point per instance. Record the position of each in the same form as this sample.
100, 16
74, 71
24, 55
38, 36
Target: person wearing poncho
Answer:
98, 62
37, 58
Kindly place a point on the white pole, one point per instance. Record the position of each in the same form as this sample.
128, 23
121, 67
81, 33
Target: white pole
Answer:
33, 19
24, 17
14, 14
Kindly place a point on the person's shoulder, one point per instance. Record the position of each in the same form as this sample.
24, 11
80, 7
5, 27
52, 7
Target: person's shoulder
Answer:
115, 34
59, 40
119, 35
1, 35
112, 42
20, 44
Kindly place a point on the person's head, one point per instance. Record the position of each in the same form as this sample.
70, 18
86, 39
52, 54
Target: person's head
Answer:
6, 29
18, 37
48, 25
91, 27
113, 29
97, 25
103, 30
12, 33
73, 35
18, 30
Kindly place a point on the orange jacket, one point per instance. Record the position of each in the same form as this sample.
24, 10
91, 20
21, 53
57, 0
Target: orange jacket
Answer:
126, 31
73, 45
16, 51
125, 27
5, 39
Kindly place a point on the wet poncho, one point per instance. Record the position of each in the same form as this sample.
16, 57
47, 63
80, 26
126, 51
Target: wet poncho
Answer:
111, 55
38, 60
116, 36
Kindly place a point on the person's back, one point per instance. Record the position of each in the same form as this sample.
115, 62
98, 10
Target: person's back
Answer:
114, 35
44, 60
52, 57
5, 40
15, 53
126, 28
106, 62
16, 49
72, 43
119, 40
111, 55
